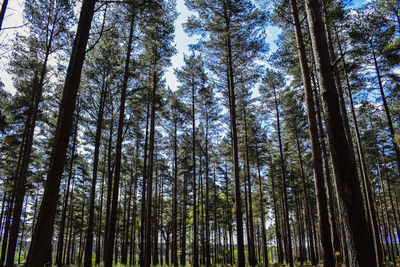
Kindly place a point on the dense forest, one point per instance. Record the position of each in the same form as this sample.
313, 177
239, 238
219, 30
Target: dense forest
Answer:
254, 157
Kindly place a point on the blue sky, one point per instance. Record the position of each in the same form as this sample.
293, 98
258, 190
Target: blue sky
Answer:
182, 40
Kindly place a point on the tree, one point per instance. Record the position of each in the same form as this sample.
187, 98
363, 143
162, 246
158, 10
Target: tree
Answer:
229, 25
44, 227
348, 189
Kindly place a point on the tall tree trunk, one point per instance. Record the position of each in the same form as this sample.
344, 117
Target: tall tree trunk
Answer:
386, 106
252, 255
263, 232
110, 166
319, 179
288, 240
113, 216
367, 191
147, 260
145, 172
100, 217
22, 176
207, 222
44, 226
134, 210
195, 236
184, 214
99, 128
21, 241
235, 150
349, 193
332, 210
60, 243
276, 214
175, 200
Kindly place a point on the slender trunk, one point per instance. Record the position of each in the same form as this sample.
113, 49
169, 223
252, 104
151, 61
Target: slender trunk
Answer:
60, 243
174, 200
263, 232
184, 214
134, 210
235, 153
359, 243
288, 240
252, 255
387, 110
22, 176
100, 218
111, 231
277, 221
44, 226
207, 222
99, 128
21, 242
319, 179
4, 201
147, 260
367, 191
195, 236
109, 180
145, 170
332, 210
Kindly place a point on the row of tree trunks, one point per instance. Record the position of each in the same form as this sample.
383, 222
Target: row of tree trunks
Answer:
359, 242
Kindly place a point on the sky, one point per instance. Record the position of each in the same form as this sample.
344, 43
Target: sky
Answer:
182, 41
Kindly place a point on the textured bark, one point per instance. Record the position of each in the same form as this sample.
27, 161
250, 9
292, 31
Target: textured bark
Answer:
252, 255
44, 226
319, 178
367, 190
147, 259
109, 246
359, 242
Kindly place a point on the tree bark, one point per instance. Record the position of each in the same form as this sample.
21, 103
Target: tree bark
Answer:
44, 226
264, 236
367, 191
174, 199
288, 241
195, 236
99, 128
60, 243
147, 260
252, 255
319, 179
109, 246
235, 153
359, 243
